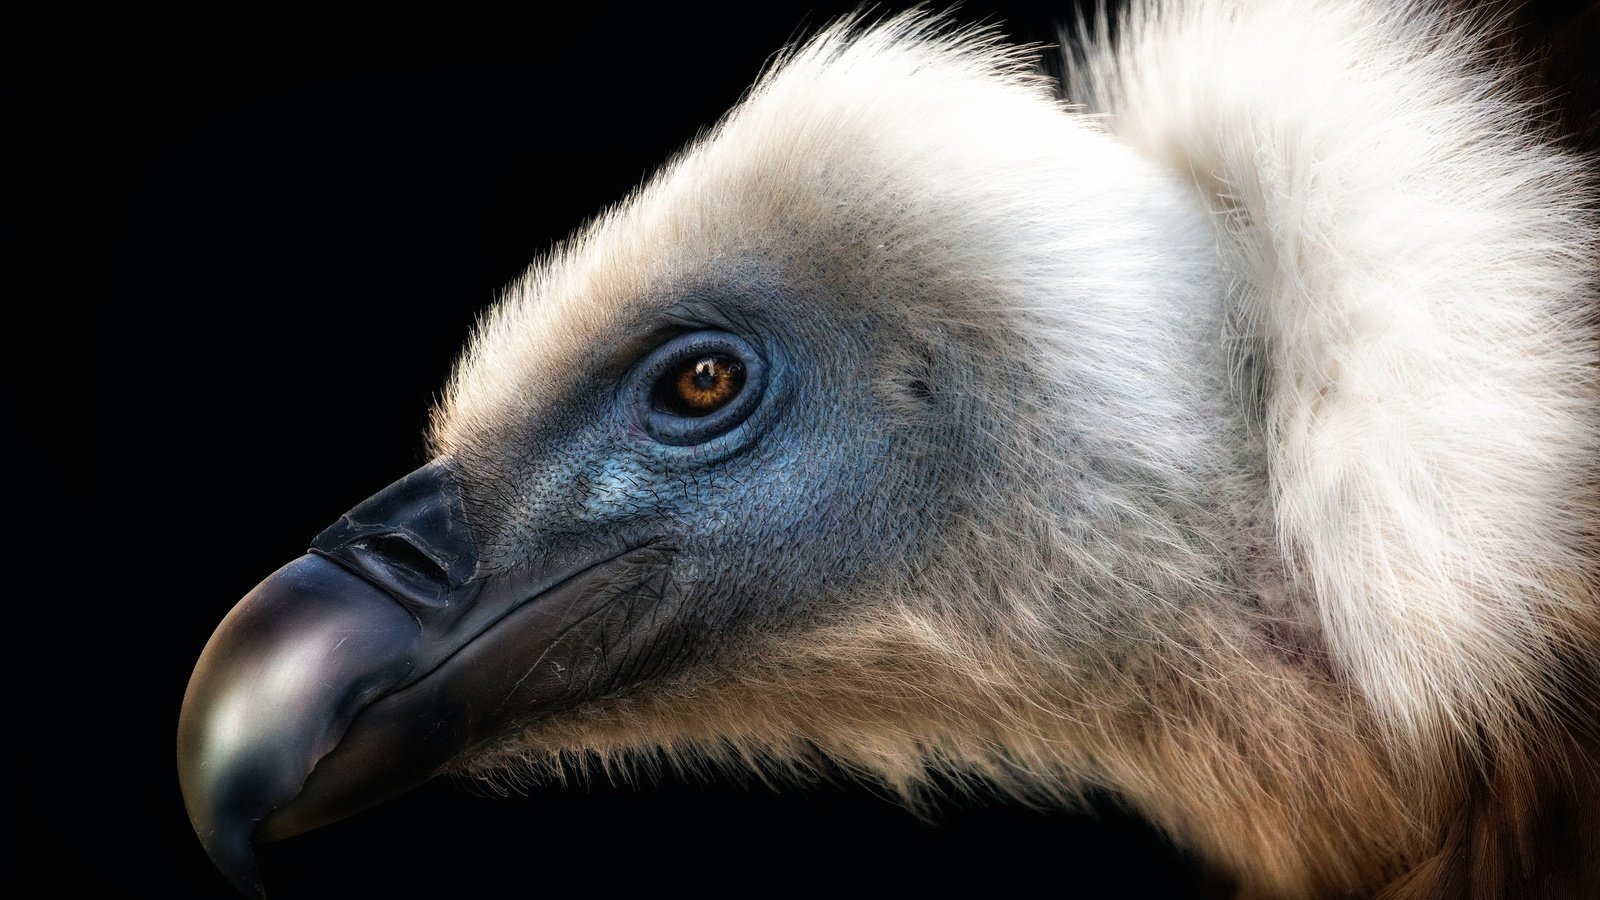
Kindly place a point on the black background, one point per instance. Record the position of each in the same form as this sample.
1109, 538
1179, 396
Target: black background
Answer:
281, 230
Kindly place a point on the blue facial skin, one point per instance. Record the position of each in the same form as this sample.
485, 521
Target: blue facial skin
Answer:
802, 494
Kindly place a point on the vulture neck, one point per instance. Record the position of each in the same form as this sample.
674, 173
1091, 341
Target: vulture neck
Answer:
1281, 527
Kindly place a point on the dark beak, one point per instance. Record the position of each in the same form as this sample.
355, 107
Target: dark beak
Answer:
364, 667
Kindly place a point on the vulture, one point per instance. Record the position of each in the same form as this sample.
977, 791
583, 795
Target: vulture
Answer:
1215, 424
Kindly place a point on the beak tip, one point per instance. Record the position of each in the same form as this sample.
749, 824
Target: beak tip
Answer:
272, 694
233, 854
228, 836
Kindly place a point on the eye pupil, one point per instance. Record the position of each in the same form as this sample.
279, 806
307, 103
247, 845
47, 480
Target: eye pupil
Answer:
700, 386
705, 374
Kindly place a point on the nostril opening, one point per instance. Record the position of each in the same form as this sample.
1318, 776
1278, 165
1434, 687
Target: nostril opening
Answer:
399, 552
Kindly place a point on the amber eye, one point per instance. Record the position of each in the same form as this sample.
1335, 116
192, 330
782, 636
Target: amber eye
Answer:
700, 385
697, 388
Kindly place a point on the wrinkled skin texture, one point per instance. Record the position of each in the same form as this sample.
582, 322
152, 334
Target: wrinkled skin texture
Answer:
584, 470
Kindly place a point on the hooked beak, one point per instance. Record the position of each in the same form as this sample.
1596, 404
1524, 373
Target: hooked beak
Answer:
364, 667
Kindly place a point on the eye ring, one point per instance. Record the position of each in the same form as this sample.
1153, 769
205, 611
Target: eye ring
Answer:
699, 386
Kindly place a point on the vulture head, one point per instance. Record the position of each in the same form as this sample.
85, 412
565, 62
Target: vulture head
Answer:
1224, 436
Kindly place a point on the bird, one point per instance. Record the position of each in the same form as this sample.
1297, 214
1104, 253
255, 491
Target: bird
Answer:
1216, 425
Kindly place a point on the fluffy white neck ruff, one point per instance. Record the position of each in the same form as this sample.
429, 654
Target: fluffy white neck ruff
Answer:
1414, 265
